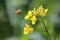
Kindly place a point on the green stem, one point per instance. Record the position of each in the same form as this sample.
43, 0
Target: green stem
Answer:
46, 29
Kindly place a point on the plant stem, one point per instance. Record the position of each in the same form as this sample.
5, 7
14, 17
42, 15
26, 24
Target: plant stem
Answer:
46, 29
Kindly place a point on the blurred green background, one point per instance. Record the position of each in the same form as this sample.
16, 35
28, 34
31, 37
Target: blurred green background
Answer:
11, 25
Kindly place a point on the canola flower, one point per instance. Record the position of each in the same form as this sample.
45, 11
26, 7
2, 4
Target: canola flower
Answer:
33, 19
27, 29
35, 12
29, 15
41, 11
32, 16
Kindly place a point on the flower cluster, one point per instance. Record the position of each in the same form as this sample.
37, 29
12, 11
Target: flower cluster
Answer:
32, 16
33, 13
27, 29
41, 11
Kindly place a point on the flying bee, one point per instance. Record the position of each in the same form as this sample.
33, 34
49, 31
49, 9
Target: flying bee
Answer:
18, 11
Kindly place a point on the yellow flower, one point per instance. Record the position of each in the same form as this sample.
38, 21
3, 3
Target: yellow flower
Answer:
33, 19
41, 11
27, 17
27, 29
34, 11
45, 10
30, 13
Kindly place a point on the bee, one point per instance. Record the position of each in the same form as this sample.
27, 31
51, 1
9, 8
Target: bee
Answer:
18, 11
